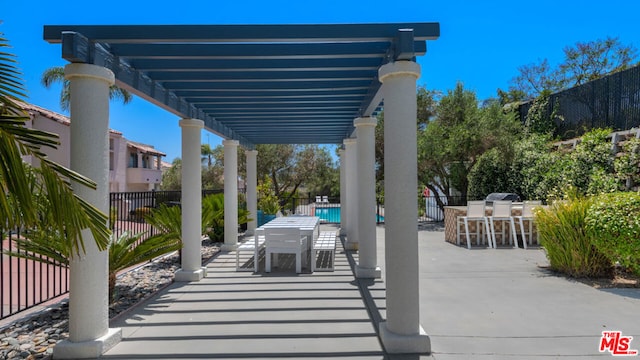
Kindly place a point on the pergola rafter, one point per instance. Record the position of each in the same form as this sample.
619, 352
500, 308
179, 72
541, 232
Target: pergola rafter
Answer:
315, 79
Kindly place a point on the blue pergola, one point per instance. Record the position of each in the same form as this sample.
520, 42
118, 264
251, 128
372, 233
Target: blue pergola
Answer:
257, 84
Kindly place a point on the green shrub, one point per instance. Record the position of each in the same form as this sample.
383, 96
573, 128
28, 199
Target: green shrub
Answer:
268, 202
213, 216
614, 224
569, 248
490, 174
627, 165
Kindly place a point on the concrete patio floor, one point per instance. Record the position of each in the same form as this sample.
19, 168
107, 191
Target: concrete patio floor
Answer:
475, 304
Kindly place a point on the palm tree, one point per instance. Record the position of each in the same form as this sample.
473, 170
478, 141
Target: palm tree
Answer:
39, 197
207, 154
56, 75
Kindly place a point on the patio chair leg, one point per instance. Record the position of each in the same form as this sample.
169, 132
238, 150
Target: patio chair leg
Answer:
492, 244
466, 228
493, 232
512, 224
267, 262
524, 235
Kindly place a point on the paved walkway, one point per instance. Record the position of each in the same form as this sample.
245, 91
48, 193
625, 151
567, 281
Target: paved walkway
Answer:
475, 304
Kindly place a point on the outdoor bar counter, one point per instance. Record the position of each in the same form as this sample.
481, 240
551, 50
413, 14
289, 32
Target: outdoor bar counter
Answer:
451, 214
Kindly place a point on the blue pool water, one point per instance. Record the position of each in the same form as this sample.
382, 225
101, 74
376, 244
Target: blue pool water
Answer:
332, 214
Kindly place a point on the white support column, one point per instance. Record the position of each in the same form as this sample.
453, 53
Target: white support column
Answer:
230, 195
401, 333
343, 193
89, 332
252, 190
192, 269
366, 216
351, 174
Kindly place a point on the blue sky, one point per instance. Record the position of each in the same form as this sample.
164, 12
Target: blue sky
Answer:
482, 43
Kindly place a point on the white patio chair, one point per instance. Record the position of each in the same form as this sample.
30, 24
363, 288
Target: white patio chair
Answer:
318, 199
253, 245
476, 213
502, 212
527, 215
284, 240
325, 199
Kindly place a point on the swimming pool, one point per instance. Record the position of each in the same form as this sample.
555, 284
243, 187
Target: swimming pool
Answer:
332, 214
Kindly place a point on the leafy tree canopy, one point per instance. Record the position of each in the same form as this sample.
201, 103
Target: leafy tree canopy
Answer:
583, 62
459, 134
291, 166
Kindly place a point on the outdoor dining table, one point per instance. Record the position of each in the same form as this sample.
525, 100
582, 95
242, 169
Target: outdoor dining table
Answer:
309, 226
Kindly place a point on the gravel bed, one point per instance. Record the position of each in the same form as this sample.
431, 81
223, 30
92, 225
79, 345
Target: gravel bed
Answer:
34, 336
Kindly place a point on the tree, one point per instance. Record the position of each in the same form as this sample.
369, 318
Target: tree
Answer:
594, 59
426, 103
533, 80
582, 63
172, 177
39, 197
207, 154
56, 75
451, 144
290, 166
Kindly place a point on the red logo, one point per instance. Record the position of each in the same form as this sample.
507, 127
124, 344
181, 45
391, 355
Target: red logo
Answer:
617, 344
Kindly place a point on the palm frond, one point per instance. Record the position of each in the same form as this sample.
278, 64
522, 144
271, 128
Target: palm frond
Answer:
166, 219
128, 250
43, 246
59, 209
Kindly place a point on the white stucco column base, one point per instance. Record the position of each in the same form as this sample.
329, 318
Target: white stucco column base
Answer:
190, 275
228, 247
191, 202
368, 273
89, 332
91, 349
404, 344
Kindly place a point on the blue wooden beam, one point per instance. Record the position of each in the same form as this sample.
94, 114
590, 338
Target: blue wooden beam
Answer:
250, 50
362, 63
246, 33
76, 48
201, 76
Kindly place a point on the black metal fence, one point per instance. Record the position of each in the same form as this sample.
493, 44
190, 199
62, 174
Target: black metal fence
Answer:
329, 209
610, 102
429, 210
128, 209
25, 283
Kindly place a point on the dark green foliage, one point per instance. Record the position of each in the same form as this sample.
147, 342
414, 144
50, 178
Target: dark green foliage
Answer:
492, 173
613, 222
591, 159
540, 118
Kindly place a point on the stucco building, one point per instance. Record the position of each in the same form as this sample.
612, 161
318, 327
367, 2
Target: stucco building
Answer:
133, 166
